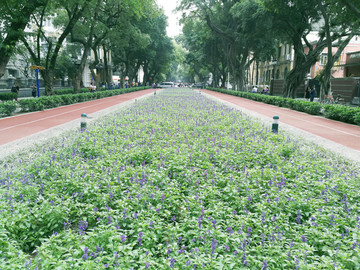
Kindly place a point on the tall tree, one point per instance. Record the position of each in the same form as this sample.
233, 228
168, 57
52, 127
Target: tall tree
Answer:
353, 6
14, 17
338, 30
46, 54
243, 27
293, 21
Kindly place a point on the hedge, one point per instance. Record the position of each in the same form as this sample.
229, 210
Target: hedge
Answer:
7, 96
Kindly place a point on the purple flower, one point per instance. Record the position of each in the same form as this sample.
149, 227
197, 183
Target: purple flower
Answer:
227, 248
249, 232
265, 265
140, 238
303, 238
85, 256
109, 220
82, 226
123, 238
213, 246
214, 223
298, 218
173, 218
147, 265
172, 262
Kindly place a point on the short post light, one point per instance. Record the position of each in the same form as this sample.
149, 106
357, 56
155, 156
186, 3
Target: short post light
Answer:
155, 93
275, 124
83, 121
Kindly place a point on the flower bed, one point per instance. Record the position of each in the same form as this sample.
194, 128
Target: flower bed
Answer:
178, 181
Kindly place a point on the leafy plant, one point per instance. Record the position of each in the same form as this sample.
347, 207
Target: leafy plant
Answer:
7, 96
8, 107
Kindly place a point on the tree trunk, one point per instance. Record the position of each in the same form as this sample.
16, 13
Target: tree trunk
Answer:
48, 77
76, 80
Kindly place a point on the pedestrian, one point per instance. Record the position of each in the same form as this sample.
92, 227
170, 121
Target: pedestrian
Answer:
312, 93
254, 90
266, 90
15, 89
33, 90
307, 93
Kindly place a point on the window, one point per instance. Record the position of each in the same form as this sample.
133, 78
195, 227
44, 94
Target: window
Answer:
338, 62
323, 59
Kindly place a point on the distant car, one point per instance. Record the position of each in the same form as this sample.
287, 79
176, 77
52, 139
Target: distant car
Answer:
166, 85
197, 85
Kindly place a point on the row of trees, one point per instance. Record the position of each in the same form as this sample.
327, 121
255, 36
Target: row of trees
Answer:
228, 35
134, 31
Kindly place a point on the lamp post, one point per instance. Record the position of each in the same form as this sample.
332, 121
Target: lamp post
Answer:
275, 124
37, 68
83, 121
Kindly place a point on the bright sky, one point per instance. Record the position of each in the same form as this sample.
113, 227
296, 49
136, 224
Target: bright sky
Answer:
173, 28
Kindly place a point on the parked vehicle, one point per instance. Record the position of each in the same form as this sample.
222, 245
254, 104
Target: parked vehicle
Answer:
166, 85
197, 85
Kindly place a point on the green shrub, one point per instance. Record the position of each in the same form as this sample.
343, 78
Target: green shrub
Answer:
8, 107
67, 99
63, 91
7, 96
51, 101
342, 113
31, 105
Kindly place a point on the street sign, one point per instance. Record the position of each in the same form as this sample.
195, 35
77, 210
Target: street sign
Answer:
37, 67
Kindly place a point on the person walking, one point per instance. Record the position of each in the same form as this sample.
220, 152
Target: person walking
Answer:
15, 89
312, 93
33, 90
307, 93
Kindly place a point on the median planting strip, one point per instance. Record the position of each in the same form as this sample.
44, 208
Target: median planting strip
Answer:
179, 181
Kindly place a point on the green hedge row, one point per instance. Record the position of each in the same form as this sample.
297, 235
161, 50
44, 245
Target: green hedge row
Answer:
7, 96
46, 102
341, 113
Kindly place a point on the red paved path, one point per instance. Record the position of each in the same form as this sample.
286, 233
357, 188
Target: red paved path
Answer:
17, 127
341, 133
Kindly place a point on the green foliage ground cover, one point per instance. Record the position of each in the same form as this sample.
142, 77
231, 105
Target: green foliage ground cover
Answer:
178, 181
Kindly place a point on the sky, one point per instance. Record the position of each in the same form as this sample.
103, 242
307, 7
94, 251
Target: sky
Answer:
173, 28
